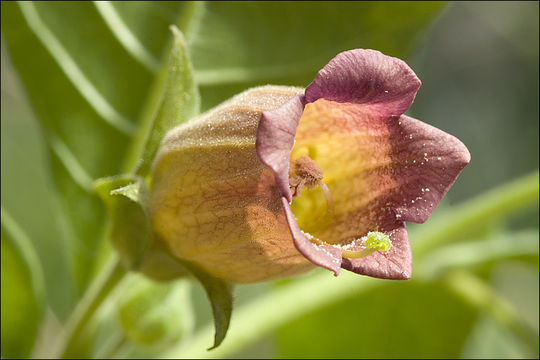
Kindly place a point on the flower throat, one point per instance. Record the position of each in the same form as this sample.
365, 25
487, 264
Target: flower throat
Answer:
305, 172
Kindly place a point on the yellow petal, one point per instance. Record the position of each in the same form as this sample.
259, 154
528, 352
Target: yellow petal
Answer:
354, 154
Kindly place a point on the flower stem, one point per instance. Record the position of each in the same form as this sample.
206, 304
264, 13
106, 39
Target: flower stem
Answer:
250, 323
480, 295
480, 211
111, 275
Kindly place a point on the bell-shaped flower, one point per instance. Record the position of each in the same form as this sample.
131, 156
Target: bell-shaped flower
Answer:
278, 179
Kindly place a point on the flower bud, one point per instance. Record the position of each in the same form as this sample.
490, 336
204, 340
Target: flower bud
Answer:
151, 313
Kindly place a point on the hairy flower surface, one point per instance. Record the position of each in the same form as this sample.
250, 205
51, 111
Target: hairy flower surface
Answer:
278, 178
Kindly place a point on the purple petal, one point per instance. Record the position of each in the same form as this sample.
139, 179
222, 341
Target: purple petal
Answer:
426, 162
275, 138
383, 171
327, 257
368, 77
395, 263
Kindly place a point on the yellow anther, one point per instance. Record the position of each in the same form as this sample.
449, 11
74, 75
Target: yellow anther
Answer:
306, 172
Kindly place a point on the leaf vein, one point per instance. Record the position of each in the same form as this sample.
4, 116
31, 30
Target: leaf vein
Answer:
70, 162
76, 76
125, 36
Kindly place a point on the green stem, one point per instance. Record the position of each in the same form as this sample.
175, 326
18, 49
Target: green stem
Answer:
120, 343
482, 210
480, 295
101, 287
255, 320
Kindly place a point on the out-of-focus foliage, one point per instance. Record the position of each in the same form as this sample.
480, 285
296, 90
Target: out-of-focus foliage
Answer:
397, 319
287, 42
479, 72
88, 70
22, 291
150, 313
91, 75
88, 92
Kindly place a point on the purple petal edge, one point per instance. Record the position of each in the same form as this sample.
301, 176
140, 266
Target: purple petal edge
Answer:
386, 84
327, 257
275, 139
440, 158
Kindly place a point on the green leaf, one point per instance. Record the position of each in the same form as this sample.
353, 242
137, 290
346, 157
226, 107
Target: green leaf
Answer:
147, 23
88, 89
243, 44
400, 319
28, 192
179, 102
22, 291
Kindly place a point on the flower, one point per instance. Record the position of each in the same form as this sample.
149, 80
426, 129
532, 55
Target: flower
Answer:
278, 179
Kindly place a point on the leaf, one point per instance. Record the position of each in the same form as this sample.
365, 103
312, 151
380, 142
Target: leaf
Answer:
179, 102
28, 192
88, 91
389, 322
242, 44
148, 22
22, 291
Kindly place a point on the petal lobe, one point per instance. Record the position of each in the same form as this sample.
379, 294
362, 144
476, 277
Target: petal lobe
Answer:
385, 84
275, 138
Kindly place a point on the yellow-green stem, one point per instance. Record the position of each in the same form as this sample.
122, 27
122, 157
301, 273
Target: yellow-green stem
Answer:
482, 210
99, 290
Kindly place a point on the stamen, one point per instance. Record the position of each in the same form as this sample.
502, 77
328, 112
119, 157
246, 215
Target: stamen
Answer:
306, 172
328, 197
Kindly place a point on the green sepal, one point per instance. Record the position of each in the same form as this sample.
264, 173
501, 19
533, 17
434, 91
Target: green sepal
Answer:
219, 294
126, 198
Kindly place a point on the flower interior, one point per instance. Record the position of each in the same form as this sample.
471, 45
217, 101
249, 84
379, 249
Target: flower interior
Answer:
339, 164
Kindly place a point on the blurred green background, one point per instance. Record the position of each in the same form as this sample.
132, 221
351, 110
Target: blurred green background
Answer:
478, 62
